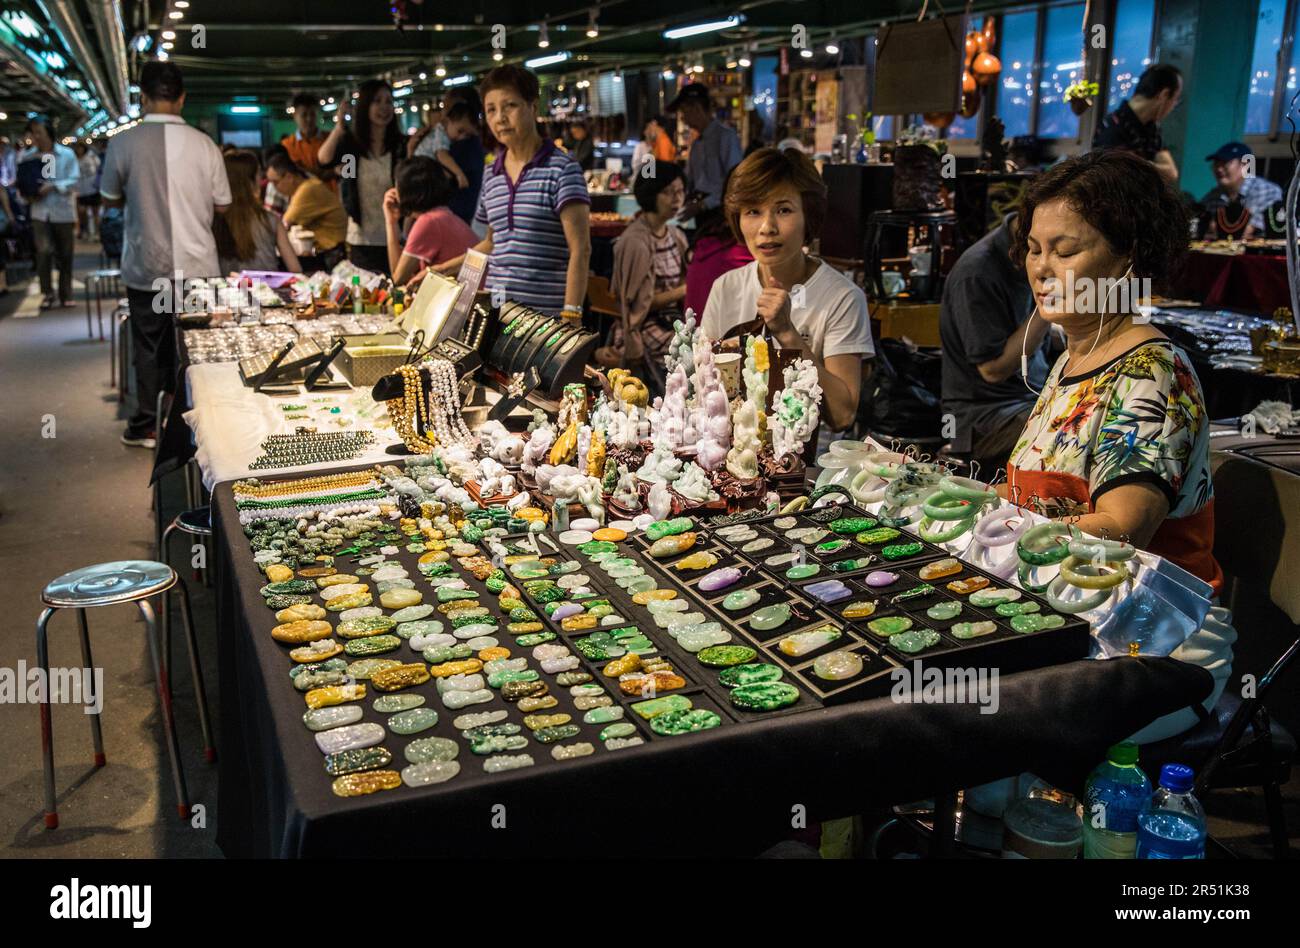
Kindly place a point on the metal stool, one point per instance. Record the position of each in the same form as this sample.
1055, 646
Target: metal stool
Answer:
99, 278
197, 523
107, 584
118, 327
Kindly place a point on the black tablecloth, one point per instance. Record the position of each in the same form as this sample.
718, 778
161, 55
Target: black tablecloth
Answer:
731, 790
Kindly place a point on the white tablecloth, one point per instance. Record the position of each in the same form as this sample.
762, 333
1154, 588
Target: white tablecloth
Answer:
229, 421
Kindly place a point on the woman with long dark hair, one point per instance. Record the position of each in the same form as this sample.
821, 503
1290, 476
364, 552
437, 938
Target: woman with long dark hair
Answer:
365, 156
249, 237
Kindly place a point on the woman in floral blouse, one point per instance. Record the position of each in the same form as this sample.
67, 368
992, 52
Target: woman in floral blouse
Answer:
1119, 438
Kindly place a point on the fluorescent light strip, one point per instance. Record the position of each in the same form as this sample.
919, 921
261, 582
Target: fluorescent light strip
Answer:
550, 60
682, 32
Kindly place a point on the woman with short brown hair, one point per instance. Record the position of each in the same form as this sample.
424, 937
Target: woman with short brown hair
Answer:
776, 203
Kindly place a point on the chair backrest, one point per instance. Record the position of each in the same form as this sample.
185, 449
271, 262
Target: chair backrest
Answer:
600, 297
1252, 536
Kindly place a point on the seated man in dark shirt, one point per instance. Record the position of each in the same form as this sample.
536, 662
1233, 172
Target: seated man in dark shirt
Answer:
984, 320
1135, 125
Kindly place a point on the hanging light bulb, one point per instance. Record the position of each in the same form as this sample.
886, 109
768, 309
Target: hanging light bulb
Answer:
832, 47
440, 70
543, 37
592, 29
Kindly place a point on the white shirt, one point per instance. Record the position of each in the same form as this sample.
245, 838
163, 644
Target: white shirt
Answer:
62, 171
89, 164
374, 178
832, 319
172, 176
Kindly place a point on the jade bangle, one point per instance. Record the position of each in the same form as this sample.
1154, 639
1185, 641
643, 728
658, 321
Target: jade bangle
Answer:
1000, 517
951, 532
1022, 573
967, 488
886, 469
1070, 572
901, 494
940, 506
887, 518
1075, 606
1106, 551
1062, 533
821, 492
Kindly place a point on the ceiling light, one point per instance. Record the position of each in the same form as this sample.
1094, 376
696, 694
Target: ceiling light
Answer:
498, 56
169, 34
424, 76
618, 75
806, 53
542, 61
238, 110
833, 48
458, 80
162, 56
168, 45
176, 15
182, 4
592, 29
440, 70
695, 29
667, 74
543, 37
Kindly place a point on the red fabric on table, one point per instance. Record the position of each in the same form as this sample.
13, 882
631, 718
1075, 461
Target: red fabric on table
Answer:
1254, 283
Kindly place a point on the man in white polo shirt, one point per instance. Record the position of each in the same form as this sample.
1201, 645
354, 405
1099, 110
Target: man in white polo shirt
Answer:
171, 178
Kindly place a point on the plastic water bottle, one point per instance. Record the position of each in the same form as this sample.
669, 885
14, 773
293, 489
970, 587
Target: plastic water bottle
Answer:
1115, 794
1172, 823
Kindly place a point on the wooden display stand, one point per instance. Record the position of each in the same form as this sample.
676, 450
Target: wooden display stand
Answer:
919, 322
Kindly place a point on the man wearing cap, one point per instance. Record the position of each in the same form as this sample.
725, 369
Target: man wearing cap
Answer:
1236, 181
1135, 125
717, 149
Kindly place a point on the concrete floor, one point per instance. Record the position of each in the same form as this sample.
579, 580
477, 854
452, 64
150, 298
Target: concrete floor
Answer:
82, 497
78, 498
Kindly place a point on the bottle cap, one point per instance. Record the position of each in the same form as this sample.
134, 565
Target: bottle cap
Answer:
1125, 754
1176, 777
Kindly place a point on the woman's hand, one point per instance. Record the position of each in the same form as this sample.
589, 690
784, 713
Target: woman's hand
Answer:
392, 206
774, 307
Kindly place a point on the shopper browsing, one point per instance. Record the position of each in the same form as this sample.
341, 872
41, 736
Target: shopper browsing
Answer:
649, 276
534, 202
436, 141
1119, 439
366, 156
776, 202
1135, 125
249, 237
172, 180
53, 210
580, 146
714, 152
436, 234
304, 145
87, 191
312, 206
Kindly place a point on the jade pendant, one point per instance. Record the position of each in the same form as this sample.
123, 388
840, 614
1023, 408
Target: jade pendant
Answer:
770, 617
741, 599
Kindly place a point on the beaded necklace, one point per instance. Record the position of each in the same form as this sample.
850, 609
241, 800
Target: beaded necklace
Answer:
403, 411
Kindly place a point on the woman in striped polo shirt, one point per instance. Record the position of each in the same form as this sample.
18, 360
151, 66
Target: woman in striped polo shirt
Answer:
534, 202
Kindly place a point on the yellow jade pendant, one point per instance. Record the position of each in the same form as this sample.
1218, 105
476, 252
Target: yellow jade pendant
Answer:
651, 595
336, 579
370, 781
305, 610
278, 573
492, 653
309, 653
434, 556
535, 722
403, 676
701, 560
964, 586
334, 694
578, 623
859, 610
671, 546
466, 666
939, 568
301, 631
622, 666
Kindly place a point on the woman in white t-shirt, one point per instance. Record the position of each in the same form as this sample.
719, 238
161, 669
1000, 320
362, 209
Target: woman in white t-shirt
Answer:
776, 202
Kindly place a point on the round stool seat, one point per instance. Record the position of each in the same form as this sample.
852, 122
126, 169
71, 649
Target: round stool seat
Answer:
108, 583
197, 521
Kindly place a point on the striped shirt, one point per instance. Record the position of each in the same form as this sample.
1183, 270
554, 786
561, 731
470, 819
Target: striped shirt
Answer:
530, 256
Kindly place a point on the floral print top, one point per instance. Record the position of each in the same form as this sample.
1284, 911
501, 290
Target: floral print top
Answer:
1141, 418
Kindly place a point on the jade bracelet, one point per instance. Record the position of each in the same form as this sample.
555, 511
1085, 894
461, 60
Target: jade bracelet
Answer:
1023, 570
1060, 532
942, 506
821, 492
1104, 551
952, 530
1074, 606
967, 488
1073, 572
